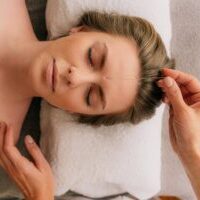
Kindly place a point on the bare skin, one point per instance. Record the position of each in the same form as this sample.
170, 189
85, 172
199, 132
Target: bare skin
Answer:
13, 106
33, 178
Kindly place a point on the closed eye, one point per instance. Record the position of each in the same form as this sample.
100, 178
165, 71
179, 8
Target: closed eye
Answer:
102, 65
87, 96
87, 99
90, 56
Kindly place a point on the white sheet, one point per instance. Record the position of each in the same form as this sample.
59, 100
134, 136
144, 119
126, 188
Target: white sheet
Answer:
103, 161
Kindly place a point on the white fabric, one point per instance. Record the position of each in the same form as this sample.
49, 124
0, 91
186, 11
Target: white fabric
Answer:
107, 160
119, 197
102, 161
61, 15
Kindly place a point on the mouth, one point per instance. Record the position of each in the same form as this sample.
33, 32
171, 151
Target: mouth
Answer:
51, 74
54, 75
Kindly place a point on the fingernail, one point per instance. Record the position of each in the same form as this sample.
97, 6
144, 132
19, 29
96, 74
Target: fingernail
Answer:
168, 81
159, 83
29, 139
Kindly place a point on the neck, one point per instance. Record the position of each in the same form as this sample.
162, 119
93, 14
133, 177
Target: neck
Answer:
18, 64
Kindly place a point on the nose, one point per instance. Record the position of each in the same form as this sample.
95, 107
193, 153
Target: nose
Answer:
78, 76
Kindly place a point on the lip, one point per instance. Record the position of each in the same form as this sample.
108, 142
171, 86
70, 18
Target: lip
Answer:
51, 73
54, 75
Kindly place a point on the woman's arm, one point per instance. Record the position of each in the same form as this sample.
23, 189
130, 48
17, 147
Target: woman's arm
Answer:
34, 178
183, 95
193, 173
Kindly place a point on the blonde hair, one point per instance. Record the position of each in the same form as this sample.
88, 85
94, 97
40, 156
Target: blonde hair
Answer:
152, 55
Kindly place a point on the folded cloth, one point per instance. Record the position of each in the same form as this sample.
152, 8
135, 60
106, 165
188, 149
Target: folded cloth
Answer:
72, 196
103, 161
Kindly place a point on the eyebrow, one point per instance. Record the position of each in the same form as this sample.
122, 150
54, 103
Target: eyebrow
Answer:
103, 61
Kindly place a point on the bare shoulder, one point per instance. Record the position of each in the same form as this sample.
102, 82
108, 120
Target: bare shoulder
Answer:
14, 20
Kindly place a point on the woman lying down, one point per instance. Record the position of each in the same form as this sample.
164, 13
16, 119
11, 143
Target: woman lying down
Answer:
104, 71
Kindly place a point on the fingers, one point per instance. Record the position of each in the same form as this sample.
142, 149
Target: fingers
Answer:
24, 173
20, 161
36, 153
173, 94
4, 162
11, 158
10, 155
10, 150
190, 83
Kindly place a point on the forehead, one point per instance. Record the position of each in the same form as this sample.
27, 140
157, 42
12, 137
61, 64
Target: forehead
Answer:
122, 68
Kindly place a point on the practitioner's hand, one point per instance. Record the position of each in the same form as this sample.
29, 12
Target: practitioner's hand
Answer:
183, 96
182, 93
34, 178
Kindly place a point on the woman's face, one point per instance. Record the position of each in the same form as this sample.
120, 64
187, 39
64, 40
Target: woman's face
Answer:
97, 73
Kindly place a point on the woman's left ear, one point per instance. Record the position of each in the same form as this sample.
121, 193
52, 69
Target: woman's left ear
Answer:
78, 29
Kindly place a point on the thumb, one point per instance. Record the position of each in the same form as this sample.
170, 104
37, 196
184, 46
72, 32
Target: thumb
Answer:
173, 92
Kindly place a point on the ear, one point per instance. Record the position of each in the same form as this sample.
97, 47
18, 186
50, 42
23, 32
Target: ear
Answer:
77, 29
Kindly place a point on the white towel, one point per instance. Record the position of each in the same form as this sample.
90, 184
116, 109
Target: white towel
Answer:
104, 161
61, 15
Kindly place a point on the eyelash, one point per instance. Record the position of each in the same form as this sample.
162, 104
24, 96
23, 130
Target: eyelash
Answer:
90, 56
87, 98
91, 64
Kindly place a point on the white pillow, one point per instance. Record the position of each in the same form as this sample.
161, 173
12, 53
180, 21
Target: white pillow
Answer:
61, 15
103, 161
69, 197
88, 160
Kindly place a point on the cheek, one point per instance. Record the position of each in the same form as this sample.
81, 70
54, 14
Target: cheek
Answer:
75, 99
73, 50
71, 100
